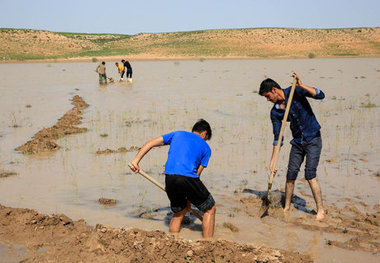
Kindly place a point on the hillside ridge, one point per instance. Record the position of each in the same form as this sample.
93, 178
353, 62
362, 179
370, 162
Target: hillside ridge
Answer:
249, 43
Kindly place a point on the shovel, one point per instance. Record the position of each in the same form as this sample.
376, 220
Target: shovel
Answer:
163, 188
266, 199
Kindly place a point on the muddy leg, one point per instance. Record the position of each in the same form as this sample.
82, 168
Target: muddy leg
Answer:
208, 222
175, 223
317, 194
289, 188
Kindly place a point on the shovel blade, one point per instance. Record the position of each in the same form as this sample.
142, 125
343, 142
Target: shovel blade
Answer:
263, 212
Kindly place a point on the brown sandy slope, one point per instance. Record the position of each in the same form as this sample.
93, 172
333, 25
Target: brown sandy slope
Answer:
18, 44
31, 44
56, 238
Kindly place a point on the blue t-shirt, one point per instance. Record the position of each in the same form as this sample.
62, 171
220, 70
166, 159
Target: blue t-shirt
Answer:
187, 151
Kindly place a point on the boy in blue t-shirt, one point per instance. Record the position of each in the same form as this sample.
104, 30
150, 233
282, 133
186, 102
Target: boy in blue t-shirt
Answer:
188, 155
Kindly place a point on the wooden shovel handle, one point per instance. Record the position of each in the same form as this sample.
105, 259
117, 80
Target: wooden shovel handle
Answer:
283, 124
163, 188
149, 178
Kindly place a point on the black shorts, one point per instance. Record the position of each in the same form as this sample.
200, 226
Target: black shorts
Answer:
181, 189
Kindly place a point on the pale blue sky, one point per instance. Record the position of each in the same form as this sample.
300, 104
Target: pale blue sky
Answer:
131, 17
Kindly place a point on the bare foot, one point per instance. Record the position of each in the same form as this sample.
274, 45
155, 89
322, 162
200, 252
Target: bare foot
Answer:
320, 215
286, 215
286, 209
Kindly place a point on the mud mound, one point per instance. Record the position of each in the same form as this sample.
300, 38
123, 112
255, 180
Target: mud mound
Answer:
107, 201
119, 150
44, 140
57, 238
4, 174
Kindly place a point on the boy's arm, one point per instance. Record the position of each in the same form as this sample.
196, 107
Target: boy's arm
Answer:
159, 141
276, 123
200, 170
315, 93
271, 167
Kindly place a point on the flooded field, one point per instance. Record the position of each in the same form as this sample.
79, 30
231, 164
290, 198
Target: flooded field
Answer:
172, 95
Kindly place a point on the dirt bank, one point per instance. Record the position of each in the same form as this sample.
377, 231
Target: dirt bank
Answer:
57, 238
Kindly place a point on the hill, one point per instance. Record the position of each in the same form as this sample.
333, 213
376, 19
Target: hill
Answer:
24, 44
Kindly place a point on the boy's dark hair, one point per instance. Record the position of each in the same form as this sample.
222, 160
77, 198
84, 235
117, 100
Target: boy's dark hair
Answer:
103, 63
267, 85
201, 126
123, 60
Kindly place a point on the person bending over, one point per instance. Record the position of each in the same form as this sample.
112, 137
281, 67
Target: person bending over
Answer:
188, 155
306, 133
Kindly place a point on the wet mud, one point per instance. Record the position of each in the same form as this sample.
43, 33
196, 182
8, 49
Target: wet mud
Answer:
361, 230
119, 150
107, 201
45, 139
58, 238
4, 174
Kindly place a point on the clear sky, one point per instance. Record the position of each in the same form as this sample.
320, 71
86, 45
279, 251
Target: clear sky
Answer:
153, 16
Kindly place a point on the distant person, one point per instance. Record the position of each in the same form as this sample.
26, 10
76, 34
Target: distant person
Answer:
101, 69
306, 133
188, 155
120, 69
128, 66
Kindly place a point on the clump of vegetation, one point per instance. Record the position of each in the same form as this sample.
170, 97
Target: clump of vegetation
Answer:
369, 105
94, 60
311, 55
4, 174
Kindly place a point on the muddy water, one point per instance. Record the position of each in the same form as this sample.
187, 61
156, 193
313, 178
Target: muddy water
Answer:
172, 95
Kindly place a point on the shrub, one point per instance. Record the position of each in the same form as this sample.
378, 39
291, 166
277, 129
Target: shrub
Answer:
311, 55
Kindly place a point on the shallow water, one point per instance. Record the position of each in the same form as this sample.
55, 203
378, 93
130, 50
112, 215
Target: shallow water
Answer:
172, 95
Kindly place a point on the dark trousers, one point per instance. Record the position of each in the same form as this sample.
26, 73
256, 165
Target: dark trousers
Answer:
129, 73
312, 151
